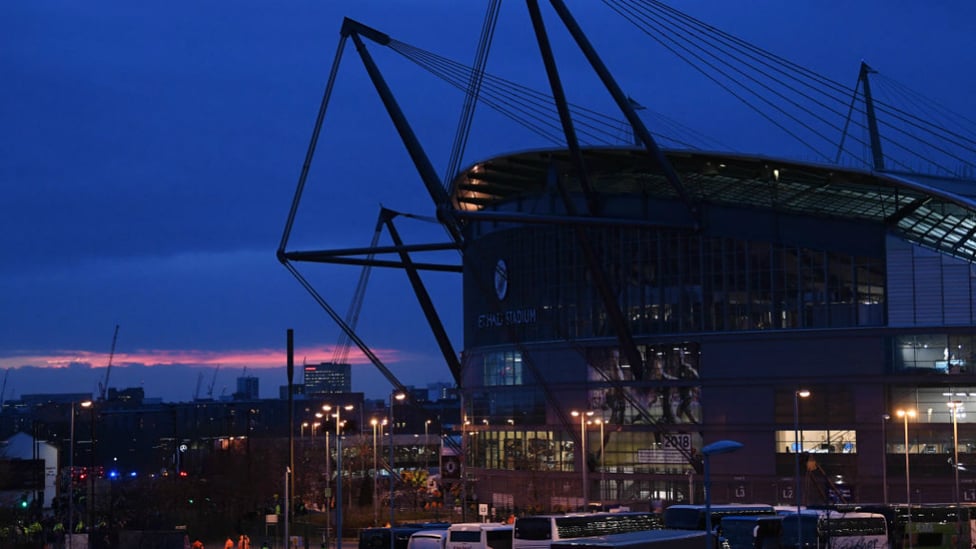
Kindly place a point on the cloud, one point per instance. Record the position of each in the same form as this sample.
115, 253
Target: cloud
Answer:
173, 374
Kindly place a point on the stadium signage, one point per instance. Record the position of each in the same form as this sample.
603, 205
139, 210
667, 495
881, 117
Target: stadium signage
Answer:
507, 318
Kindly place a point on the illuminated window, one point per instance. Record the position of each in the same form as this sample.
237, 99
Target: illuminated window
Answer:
503, 368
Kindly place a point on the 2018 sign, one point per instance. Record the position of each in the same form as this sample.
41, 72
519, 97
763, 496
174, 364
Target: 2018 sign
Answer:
677, 441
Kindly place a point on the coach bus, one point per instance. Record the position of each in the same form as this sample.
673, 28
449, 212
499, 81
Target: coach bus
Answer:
645, 539
752, 531
934, 526
541, 531
478, 535
834, 529
692, 517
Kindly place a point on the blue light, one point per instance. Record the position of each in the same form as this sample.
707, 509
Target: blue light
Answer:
132, 474
113, 474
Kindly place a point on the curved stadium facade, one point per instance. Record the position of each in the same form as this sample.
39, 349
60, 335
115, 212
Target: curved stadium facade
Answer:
759, 278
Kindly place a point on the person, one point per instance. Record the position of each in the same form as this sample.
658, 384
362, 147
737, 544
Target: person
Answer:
244, 542
229, 544
197, 544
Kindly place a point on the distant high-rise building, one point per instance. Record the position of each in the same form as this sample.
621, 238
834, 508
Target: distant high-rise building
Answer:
247, 388
297, 391
327, 378
442, 391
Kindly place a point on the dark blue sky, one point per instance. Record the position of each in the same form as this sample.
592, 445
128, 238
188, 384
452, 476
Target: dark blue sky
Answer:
149, 155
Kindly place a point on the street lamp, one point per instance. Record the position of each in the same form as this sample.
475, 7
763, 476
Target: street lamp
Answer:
465, 450
586, 489
328, 473
954, 407
603, 467
71, 475
715, 448
884, 458
905, 414
90, 500
376, 515
395, 396
797, 395
338, 445
426, 447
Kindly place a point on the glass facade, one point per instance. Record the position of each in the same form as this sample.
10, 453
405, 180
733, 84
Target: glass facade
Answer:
520, 449
934, 353
757, 318
666, 281
668, 392
817, 441
503, 368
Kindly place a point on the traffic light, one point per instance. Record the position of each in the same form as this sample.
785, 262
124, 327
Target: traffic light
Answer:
24, 501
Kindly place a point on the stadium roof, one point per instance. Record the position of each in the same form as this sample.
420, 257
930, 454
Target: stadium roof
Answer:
938, 213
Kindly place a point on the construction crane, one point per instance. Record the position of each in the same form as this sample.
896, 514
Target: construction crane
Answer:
3, 388
103, 386
196, 392
212, 381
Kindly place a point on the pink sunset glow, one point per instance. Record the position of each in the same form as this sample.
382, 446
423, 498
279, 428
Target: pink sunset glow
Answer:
251, 358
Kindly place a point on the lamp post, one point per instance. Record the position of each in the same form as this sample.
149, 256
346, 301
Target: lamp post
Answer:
328, 474
954, 407
884, 458
603, 468
586, 489
376, 515
797, 395
395, 396
71, 475
338, 445
715, 448
426, 447
905, 414
90, 500
465, 449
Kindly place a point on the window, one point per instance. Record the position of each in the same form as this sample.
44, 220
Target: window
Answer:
503, 368
817, 442
933, 353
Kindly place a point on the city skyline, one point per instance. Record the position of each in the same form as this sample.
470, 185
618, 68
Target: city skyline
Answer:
151, 154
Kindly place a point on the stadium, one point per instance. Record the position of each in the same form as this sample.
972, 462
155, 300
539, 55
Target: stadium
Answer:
626, 305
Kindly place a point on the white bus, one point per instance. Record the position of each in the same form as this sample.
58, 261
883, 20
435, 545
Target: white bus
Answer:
479, 535
835, 529
541, 531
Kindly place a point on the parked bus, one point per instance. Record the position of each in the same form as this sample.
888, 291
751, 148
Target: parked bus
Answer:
644, 539
934, 526
692, 517
752, 531
541, 531
834, 529
379, 537
477, 535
